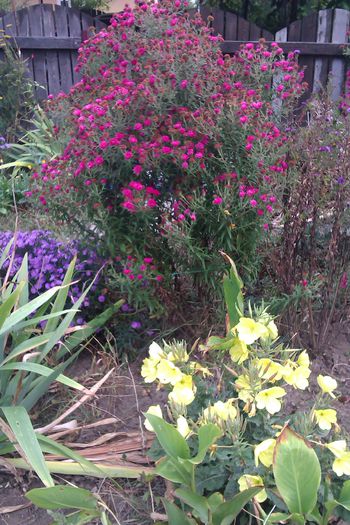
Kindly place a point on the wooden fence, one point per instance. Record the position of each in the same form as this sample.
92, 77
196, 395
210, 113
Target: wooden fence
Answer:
50, 35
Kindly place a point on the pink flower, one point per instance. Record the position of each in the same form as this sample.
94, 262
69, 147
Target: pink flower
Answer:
159, 278
128, 205
148, 260
253, 203
151, 203
137, 169
136, 185
183, 84
217, 200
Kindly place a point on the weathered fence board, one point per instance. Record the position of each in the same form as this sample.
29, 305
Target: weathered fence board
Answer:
328, 30
50, 35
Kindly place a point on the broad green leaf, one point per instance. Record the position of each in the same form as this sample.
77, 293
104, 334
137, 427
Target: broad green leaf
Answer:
62, 497
228, 511
297, 519
175, 515
197, 502
233, 285
172, 470
215, 500
297, 472
19, 421
172, 442
207, 435
344, 497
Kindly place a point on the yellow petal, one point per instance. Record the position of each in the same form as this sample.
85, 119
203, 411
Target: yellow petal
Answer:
155, 410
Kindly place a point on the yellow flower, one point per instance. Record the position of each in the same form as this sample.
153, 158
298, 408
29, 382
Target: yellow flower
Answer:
249, 330
327, 384
264, 452
272, 328
182, 426
325, 418
167, 372
247, 481
337, 447
155, 410
149, 370
269, 399
269, 370
239, 351
341, 465
183, 391
221, 410
296, 376
245, 390
304, 359
156, 352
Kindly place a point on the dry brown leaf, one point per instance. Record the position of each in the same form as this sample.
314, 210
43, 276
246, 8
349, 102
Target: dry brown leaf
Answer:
14, 508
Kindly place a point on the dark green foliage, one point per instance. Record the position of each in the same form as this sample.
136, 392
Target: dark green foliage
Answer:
16, 90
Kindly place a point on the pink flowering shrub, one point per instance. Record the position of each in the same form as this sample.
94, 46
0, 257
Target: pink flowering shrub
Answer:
173, 151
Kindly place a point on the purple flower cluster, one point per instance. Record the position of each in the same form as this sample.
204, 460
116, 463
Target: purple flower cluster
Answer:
48, 261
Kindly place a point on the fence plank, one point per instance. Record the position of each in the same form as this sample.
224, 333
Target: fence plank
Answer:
242, 29
74, 25
339, 35
10, 25
219, 21
254, 31
324, 34
308, 32
64, 57
231, 26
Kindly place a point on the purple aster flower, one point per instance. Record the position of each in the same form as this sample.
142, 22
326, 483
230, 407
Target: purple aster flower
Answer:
136, 325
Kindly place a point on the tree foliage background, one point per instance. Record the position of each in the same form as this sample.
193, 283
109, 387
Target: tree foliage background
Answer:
275, 14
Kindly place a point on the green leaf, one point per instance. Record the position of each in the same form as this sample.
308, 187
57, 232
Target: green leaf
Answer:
79, 518
175, 515
19, 421
233, 285
62, 497
215, 500
297, 472
9, 303
344, 496
61, 297
277, 517
51, 446
174, 471
172, 442
207, 435
41, 370
197, 502
25, 310
100, 320
228, 511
